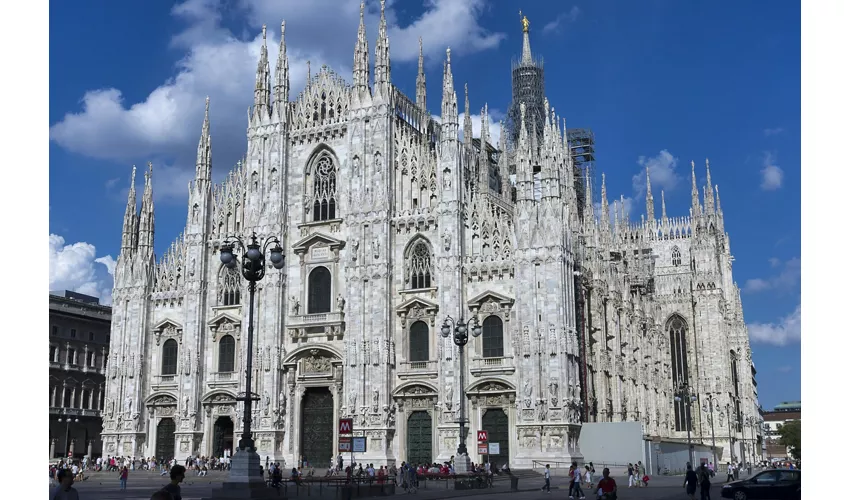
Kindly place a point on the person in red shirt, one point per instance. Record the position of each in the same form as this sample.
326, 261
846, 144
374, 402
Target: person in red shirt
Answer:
607, 485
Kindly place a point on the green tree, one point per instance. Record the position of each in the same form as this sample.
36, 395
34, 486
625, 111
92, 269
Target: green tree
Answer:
789, 435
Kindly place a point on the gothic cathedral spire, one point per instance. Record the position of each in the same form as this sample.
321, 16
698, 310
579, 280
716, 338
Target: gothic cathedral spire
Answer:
695, 207
281, 81
467, 120
382, 57
708, 199
203, 163
262, 86
146, 219
361, 58
130, 234
420, 82
650, 202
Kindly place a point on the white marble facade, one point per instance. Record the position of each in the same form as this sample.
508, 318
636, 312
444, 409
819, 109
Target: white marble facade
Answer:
390, 223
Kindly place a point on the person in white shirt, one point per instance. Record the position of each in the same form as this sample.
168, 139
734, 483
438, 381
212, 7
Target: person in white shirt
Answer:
577, 483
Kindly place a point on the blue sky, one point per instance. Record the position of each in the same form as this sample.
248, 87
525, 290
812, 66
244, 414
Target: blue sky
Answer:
660, 82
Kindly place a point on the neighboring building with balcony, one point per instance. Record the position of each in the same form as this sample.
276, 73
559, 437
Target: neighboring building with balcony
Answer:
79, 348
782, 413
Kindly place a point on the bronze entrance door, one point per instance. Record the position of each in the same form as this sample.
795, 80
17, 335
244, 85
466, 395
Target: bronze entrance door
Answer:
419, 438
317, 427
222, 436
495, 422
165, 439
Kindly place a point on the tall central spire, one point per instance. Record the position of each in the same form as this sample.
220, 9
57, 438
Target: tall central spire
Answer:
262, 87
382, 55
526, 43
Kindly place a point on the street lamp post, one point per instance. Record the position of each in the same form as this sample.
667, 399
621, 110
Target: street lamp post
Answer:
729, 423
683, 392
461, 331
67, 434
246, 464
709, 405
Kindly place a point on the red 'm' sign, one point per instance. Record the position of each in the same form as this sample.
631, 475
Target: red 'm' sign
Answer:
345, 426
482, 435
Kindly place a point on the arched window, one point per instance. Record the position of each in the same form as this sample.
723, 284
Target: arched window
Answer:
169, 357
419, 265
678, 331
66, 403
84, 402
418, 342
319, 288
229, 287
226, 353
493, 340
324, 189
677, 257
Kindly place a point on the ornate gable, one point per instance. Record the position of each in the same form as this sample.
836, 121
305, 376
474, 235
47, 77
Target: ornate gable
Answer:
168, 329
316, 243
416, 308
491, 302
225, 324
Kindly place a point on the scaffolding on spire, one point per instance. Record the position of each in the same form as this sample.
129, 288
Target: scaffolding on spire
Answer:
583, 154
527, 86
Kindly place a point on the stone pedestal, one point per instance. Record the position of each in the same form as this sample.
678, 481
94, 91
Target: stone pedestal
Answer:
246, 480
463, 464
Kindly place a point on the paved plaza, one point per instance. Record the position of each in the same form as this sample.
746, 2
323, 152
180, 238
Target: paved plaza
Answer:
141, 484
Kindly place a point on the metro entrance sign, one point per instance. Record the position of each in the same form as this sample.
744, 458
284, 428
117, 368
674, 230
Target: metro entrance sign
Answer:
345, 426
482, 436
345, 445
482, 448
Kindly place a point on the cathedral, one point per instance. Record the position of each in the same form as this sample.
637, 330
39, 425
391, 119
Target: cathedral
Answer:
392, 221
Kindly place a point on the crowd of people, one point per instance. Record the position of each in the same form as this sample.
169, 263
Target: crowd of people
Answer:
66, 491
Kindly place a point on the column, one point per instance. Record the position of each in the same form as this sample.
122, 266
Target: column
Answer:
53, 396
89, 447
52, 447
62, 401
73, 443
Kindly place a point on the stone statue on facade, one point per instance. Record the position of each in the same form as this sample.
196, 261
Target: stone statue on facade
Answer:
355, 246
128, 405
340, 303
295, 305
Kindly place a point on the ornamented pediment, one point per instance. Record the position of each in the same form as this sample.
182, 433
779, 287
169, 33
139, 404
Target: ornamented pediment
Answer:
491, 302
415, 390
491, 386
161, 400
416, 308
317, 241
492, 393
218, 397
225, 324
167, 329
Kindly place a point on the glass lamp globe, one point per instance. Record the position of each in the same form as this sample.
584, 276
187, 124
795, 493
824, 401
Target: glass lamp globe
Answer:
253, 253
446, 329
276, 255
231, 264
677, 399
226, 255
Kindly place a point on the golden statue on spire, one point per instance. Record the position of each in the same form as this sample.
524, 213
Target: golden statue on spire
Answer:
525, 23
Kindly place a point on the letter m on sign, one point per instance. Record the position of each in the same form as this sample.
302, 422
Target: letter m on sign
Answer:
345, 426
482, 435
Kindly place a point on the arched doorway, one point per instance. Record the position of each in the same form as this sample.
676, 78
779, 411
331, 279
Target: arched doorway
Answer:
317, 426
495, 422
419, 438
165, 439
222, 436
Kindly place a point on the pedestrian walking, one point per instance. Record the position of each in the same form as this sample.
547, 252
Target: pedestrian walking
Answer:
730, 472
631, 473
577, 492
704, 483
641, 472
122, 477
607, 488
546, 477
690, 484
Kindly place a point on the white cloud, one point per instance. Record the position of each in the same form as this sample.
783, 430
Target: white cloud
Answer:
771, 174
788, 279
165, 126
662, 172
773, 131
783, 332
76, 267
555, 25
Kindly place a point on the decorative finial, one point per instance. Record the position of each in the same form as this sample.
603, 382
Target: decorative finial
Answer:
420, 46
282, 28
525, 22
208, 104
264, 33
382, 6
362, 6
449, 55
